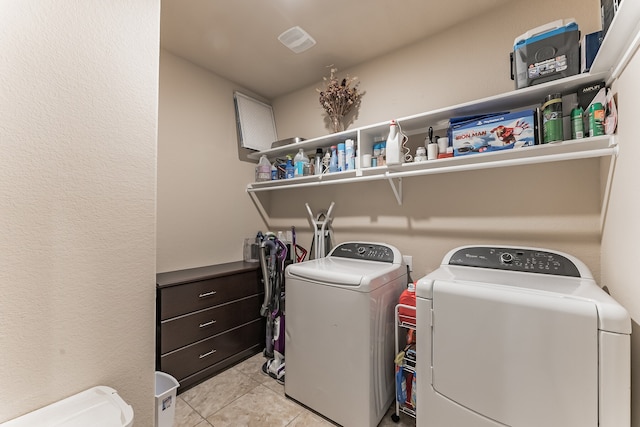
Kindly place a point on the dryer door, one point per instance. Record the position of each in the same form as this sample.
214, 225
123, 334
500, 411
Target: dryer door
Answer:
519, 357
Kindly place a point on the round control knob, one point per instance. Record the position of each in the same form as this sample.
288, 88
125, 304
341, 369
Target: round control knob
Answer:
506, 258
361, 249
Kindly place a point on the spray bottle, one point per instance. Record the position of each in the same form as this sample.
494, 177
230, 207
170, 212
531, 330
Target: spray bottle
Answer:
333, 164
395, 154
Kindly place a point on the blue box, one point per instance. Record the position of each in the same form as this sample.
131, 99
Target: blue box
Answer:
495, 133
589, 49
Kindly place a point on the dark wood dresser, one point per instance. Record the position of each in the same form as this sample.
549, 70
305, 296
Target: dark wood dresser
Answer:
208, 318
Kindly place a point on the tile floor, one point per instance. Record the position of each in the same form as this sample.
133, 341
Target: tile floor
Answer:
243, 396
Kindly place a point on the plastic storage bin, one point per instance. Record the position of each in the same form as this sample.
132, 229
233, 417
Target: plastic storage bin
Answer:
545, 53
166, 387
99, 406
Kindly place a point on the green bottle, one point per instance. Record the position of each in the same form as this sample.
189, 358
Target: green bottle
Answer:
552, 118
596, 119
577, 125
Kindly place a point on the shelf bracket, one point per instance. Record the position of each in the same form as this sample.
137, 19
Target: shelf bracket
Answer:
604, 208
259, 205
397, 190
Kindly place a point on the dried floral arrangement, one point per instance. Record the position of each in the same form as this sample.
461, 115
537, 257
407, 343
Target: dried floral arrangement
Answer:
339, 97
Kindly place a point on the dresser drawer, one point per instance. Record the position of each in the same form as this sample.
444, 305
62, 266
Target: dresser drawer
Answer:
187, 329
188, 297
193, 358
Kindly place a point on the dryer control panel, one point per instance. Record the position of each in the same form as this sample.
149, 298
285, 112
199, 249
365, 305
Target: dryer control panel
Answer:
365, 251
515, 259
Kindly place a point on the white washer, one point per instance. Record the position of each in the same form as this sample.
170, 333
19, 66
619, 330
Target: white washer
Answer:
519, 337
339, 336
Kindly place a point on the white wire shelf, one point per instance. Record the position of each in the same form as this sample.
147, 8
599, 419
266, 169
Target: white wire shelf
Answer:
600, 146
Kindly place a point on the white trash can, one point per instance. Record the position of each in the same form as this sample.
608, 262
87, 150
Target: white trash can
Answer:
166, 387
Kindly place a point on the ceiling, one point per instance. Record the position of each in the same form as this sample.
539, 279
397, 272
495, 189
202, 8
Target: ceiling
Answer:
238, 39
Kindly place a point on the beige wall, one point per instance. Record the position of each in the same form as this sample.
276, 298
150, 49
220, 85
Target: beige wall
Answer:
621, 235
554, 205
78, 115
204, 212
466, 62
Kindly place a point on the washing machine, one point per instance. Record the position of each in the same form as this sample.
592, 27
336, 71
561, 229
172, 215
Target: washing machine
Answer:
521, 337
339, 333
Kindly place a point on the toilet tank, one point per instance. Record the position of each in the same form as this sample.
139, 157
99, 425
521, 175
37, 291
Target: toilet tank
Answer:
99, 406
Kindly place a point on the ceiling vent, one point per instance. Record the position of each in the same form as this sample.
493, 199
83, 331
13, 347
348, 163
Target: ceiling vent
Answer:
296, 39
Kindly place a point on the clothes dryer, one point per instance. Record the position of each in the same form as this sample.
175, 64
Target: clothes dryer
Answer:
521, 337
339, 333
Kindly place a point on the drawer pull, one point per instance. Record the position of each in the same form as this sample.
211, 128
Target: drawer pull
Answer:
209, 353
209, 323
207, 294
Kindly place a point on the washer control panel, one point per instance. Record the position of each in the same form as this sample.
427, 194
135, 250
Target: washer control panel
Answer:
364, 251
515, 259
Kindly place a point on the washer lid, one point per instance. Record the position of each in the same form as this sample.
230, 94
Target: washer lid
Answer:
521, 259
525, 269
99, 406
344, 272
612, 316
367, 251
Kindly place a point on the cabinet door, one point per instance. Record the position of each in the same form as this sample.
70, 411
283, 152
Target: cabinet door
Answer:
184, 330
186, 298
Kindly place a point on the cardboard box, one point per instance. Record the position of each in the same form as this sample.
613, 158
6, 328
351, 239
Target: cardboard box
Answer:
494, 133
587, 93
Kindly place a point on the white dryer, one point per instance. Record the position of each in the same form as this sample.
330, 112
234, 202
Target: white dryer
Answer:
519, 337
339, 331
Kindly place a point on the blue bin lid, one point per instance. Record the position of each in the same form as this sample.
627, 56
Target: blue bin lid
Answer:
99, 406
545, 31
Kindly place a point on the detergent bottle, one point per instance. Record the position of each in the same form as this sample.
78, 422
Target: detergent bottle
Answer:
263, 170
394, 152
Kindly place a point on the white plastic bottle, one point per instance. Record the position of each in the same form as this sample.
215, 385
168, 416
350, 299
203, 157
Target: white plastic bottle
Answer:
263, 170
341, 158
298, 162
349, 155
394, 153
